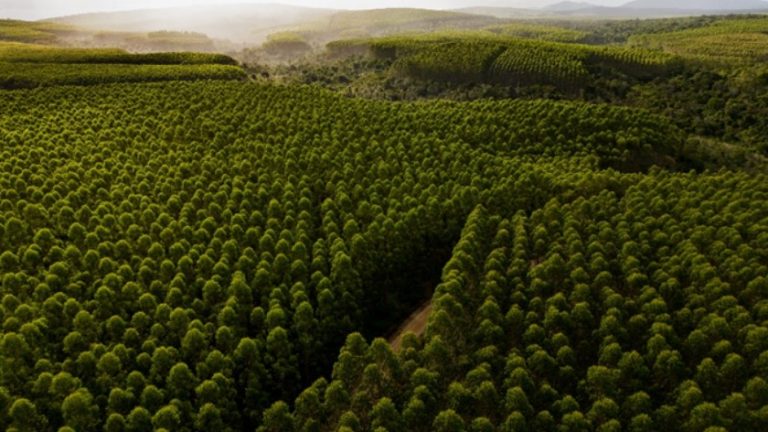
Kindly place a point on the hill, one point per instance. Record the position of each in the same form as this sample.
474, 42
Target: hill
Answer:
569, 6
237, 22
507, 12
636, 9
28, 66
588, 12
735, 41
698, 5
33, 32
573, 212
381, 22
467, 57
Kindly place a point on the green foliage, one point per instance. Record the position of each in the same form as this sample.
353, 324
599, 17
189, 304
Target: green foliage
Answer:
484, 57
286, 43
617, 31
545, 32
729, 107
32, 32
156, 41
29, 75
599, 302
204, 256
732, 41
450, 61
197, 255
27, 66
26, 53
387, 21
175, 41
225, 275
529, 64
390, 16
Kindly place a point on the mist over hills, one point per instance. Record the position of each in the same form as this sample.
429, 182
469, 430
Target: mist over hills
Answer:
633, 9
692, 5
380, 22
568, 6
239, 22
697, 4
251, 23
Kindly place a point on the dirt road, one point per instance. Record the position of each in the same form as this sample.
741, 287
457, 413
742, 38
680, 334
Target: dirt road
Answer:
416, 323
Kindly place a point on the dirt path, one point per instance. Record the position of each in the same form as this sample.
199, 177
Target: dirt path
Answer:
415, 323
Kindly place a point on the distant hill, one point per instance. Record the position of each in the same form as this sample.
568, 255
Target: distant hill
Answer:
33, 32
237, 22
634, 9
729, 5
252, 23
384, 18
508, 12
568, 6
380, 22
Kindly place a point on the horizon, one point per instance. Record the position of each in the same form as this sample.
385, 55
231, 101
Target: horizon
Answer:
44, 9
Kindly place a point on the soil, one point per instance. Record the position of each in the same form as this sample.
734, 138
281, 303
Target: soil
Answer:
416, 323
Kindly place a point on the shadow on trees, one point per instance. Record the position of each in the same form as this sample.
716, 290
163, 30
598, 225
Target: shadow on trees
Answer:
404, 286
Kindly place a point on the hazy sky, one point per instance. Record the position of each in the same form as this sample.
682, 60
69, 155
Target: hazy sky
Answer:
34, 9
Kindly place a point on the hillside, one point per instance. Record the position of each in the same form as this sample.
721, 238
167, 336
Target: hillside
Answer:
698, 4
31, 66
440, 222
508, 12
569, 6
642, 9
237, 22
485, 57
34, 32
253, 23
737, 41
379, 22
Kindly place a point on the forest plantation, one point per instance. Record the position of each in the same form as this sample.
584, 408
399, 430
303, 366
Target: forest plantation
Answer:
225, 242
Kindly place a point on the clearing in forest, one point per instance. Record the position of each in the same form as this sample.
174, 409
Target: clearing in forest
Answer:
416, 323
